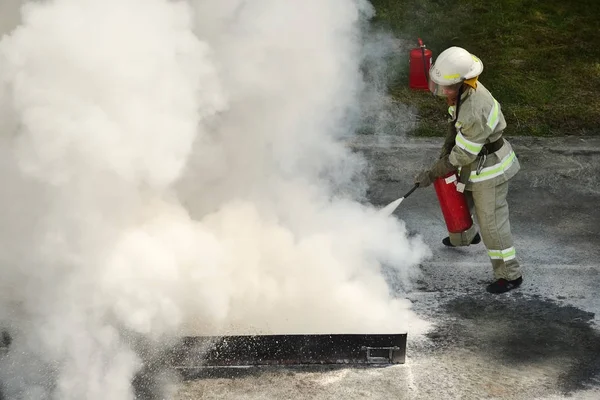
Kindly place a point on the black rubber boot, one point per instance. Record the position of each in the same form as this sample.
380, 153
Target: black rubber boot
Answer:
503, 285
476, 240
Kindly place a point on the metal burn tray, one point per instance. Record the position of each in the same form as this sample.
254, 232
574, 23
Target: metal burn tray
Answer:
211, 352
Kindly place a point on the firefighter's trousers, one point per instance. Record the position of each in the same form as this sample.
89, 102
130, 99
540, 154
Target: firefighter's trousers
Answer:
491, 210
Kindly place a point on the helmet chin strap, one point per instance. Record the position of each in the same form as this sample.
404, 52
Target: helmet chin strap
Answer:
458, 96
456, 101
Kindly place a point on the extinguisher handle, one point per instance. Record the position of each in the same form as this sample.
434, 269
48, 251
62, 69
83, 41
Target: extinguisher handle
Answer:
421, 43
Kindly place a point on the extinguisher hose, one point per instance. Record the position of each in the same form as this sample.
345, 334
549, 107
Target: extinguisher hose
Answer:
424, 66
411, 190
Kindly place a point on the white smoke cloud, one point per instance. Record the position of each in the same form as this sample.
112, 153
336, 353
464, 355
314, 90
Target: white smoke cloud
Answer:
177, 168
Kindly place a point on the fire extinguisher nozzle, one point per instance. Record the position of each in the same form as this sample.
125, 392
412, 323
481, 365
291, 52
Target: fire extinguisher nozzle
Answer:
411, 190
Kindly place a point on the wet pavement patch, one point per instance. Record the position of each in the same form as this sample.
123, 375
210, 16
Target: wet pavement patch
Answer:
516, 329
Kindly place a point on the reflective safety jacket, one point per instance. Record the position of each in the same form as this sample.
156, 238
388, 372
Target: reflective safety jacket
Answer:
480, 122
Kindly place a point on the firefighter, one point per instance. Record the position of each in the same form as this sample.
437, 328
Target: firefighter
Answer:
482, 158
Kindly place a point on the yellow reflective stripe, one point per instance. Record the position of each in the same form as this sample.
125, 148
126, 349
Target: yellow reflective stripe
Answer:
505, 255
492, 119
463, 143
453, 76
495, 254
494, 170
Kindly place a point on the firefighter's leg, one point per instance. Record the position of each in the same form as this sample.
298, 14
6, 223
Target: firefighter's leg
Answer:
492, 213
468, 237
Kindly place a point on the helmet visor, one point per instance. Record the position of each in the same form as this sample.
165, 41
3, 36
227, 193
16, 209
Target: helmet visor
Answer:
444, 91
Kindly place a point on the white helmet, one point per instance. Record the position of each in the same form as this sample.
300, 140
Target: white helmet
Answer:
453, 65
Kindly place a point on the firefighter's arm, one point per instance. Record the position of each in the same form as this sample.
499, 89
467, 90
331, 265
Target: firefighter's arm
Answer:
470, 138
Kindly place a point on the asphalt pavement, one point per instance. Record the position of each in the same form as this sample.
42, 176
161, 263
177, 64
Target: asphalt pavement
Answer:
541, 341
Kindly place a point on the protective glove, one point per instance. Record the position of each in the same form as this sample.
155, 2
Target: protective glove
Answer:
440, 168
422, 179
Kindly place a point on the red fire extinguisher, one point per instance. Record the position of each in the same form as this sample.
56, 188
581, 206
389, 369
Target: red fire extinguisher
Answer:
419, 64
453, 203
